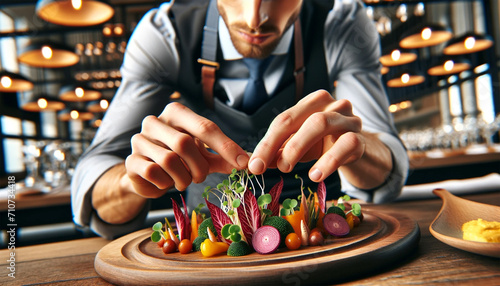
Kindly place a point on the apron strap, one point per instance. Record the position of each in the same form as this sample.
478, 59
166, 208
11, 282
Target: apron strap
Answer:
209, 53
299, 61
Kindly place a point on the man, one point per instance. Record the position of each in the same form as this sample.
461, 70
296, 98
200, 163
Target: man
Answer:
146, 146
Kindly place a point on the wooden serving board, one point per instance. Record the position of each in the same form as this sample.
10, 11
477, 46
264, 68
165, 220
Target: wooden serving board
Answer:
380, 240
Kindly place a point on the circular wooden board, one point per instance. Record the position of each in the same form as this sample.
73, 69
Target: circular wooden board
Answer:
380, 240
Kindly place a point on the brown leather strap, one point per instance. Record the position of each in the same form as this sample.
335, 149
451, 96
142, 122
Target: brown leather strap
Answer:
299, 61
207, 82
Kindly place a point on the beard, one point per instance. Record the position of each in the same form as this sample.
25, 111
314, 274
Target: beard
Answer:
258, 51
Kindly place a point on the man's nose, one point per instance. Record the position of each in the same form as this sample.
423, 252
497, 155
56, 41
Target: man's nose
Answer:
254, 17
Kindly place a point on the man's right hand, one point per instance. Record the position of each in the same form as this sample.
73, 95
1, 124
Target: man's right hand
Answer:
171, 151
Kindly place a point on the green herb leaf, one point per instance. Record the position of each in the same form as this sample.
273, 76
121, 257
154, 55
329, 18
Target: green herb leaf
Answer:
356, 209
236, 203
235, 237
267, 212
264, 200
234, 228
157, 226
156, 236
225, 230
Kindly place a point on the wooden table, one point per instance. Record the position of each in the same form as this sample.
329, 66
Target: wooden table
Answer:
72, 262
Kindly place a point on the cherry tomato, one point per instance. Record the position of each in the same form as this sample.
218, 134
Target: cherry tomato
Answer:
169, 246
185, 246
316, 238
292, 241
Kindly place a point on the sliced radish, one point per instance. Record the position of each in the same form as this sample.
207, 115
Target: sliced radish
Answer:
335, 224
266, 239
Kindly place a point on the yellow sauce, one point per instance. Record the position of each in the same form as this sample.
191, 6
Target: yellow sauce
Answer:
481, 230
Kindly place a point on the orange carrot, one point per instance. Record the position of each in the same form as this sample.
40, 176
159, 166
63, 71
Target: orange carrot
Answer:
194, 226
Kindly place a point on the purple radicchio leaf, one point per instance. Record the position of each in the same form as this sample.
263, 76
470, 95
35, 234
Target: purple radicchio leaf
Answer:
219, 218
249, 215
187, 228
322, 196
275, 193
180, 222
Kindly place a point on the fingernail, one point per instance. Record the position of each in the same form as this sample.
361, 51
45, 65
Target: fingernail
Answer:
284, 166
315, 175
242, 161
256, 166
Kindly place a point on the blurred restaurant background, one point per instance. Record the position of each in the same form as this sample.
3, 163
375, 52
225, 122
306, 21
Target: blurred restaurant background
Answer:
60, 67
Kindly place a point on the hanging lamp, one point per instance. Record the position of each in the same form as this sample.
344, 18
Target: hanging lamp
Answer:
69, 114
78, 93
397, 57
75, 13
467, 44
43, 102
425, 36
406, 79
48, 55
13, 82
449, 67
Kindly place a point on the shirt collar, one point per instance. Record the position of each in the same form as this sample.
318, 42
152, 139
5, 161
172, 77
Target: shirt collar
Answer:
230, 53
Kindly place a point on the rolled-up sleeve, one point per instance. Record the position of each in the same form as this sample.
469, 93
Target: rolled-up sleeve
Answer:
150, 64
353, 52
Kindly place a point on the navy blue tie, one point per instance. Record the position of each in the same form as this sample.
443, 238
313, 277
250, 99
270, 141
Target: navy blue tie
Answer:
255, 93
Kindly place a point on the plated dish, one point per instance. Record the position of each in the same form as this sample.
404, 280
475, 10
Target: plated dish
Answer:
455, 211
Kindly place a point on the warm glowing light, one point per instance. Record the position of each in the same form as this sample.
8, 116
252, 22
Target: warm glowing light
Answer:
74, 114
118, 30
59, 155
403, 105
107, 30
395, 55
47, 52
469, 43
405, 78
97, 123
79, 92
426, 33
393, 108
6, 81
77, 4
448, 65
42, 103
104, 104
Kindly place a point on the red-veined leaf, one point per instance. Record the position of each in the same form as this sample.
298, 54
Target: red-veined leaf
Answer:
180, 221
219, 218
322, 196
249, 215
187, 225
275, 193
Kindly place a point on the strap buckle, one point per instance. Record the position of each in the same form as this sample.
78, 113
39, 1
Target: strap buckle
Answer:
216, 65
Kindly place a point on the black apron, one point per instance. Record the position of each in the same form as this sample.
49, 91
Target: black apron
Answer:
247, 130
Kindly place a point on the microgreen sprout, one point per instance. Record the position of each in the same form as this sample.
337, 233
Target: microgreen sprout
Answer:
355, 207
232, 232
288, 207
158, 233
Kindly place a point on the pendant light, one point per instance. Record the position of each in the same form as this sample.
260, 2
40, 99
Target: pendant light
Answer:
467, 44
78, 93
13, 82
74, 13
69, 114
449, 67
406, 79
397, 57
98, 106
425, 36
42, 103
48, 55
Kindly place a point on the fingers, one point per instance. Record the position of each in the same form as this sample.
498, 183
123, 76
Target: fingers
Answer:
183, 119
171, 151
347, 148
299, 131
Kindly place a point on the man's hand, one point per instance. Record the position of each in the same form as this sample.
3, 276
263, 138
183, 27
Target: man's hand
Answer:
319, 127
171, 150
